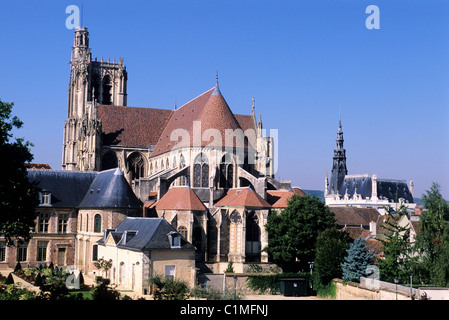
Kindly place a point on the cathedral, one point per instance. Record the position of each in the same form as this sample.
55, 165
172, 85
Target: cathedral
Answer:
363, 190
207, 171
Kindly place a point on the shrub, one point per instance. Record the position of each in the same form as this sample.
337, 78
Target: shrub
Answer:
17, 267
9, 279
102, 290
169, 289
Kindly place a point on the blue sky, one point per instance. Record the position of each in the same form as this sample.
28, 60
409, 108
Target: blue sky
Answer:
300, 60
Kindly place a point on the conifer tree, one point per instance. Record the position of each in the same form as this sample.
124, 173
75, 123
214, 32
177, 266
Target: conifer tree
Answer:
358, 258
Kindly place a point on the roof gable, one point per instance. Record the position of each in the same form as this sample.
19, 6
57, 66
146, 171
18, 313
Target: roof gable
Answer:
242, 197
196, 118
180, 198
149, 234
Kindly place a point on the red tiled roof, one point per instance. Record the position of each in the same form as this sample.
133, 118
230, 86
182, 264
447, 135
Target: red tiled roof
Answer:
180, 198
131, 126
279, 198
353, 216
38, 166
212, 111
242, 197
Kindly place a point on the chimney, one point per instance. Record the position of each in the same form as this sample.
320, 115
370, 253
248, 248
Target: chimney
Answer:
373, 228
374, 187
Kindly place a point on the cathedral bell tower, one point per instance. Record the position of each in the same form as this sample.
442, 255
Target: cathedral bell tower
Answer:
91, 83
339, 170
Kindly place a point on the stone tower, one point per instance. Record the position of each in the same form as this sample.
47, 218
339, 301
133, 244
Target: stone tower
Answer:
339, 170
91, 83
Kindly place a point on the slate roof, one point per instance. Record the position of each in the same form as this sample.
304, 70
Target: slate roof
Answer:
242, 197
180, 198
386, 188
67, 188
85, 189
150, 234
110, 190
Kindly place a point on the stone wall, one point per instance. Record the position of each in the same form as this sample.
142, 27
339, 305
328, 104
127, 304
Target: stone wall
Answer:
355, 291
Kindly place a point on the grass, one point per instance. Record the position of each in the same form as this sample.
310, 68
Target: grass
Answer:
86, 294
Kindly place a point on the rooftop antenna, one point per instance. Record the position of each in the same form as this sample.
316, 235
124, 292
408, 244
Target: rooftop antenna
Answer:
82, 14
216, 78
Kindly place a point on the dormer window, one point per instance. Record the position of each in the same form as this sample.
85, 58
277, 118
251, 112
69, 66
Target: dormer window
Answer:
45, 198
175, 239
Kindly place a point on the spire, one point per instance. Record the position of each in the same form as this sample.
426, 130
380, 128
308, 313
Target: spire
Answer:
339, 169
216, 90
339, 116
253, 107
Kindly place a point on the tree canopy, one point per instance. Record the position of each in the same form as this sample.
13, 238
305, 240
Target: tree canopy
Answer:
18, 197
294, 231
431, 243
331, 249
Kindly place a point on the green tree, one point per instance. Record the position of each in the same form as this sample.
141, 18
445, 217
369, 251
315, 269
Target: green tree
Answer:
430, 243
357, 260
331, 246
396, 248
293, 232
18, 197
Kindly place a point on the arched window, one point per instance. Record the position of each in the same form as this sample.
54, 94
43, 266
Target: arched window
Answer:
252, 227
97, 223
183, 231
136, 164
201, 172
185, 179
252, 238
107, 90
226, 172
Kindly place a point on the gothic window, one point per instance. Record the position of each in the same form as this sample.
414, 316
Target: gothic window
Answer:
185, 179
107, 90
201, 172
97, 223
252, 227
136, 165
226, 172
